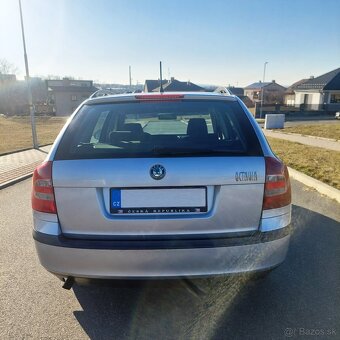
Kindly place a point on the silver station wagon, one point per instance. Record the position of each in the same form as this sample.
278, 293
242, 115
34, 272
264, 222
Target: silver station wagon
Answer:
160, 185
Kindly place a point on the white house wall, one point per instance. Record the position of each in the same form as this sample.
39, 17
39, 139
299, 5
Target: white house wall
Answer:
314, 98
290, 102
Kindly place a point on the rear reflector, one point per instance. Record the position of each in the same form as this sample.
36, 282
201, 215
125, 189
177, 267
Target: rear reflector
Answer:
159, 97
277, 191
42, 190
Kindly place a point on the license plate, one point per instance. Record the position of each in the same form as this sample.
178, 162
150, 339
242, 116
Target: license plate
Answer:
158, 200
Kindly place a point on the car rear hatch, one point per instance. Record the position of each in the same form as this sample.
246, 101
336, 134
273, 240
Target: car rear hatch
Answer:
159, 168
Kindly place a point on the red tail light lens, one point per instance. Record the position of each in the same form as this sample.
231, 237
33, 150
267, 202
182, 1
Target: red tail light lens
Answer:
277, 191
159, 97
42, 191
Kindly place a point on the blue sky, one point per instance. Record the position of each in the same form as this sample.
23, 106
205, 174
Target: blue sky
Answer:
208, 42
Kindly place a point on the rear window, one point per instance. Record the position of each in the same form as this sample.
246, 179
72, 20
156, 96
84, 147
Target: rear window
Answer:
159, 129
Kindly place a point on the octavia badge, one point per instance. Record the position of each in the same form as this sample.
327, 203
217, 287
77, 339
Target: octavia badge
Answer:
157, 171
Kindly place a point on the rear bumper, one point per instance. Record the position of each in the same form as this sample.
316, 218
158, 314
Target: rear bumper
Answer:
161, 258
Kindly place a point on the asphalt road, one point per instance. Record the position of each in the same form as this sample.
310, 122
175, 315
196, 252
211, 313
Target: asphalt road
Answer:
299, 299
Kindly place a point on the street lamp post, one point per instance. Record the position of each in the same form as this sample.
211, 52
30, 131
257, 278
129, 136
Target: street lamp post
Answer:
29, 90
262, 90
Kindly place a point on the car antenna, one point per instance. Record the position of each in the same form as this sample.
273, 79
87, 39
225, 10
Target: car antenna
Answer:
161, 90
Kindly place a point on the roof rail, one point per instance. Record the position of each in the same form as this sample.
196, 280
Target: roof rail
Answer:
223, 90
102, 93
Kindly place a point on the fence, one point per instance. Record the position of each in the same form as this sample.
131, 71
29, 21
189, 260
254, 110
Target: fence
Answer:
301, 110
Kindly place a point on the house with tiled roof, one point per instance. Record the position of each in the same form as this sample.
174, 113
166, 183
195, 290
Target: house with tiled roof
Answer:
289, 96
272, 92
172, 85
151, 84
319, 93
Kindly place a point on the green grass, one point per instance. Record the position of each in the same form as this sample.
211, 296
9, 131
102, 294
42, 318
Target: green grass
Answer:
15, 132
320, 130
319, 163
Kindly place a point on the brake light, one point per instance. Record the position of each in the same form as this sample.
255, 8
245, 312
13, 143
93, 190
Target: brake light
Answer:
277, 191
42, 192
159, 97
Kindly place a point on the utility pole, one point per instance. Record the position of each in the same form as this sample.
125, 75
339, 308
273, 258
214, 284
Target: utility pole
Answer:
130, 76
262, 90
29, 90
161, 90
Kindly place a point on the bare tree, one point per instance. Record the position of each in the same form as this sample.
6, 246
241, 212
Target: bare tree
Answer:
6, 67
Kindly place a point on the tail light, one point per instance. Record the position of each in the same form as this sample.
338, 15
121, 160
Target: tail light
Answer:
42, 192
277, 191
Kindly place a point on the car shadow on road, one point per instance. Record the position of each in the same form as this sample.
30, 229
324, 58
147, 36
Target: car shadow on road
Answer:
301, 295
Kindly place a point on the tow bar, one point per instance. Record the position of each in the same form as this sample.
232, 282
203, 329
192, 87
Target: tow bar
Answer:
68, 282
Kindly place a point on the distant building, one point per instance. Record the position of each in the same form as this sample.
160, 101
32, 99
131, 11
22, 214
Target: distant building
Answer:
39, 90
14, 98
237, 91
289, 96
172, 85
319, 93
12, 95
6, 79
67, 94
273, 93
151, 84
